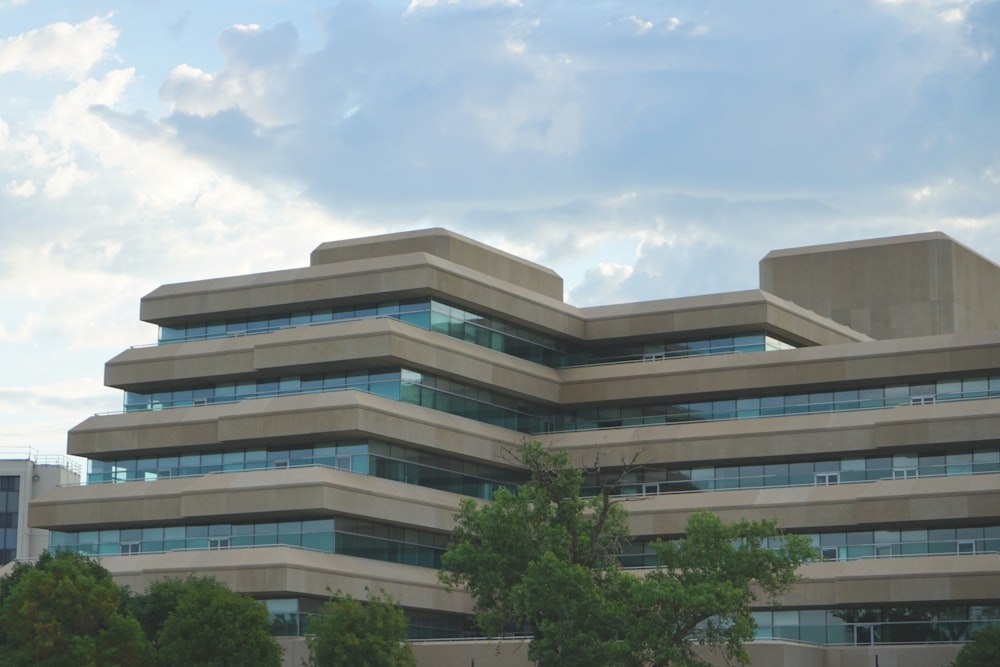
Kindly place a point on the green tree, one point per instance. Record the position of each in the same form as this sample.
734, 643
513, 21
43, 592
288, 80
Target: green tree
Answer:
982, 651
209, 626
349, 633
153, 607
544, 560
66, 610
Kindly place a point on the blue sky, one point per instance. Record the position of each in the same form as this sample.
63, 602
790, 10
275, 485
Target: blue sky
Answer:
642, 149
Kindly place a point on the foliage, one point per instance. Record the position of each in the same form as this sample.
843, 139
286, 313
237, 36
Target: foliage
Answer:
493, 545
153, 607
544, 561
982, 651
349, 633
66, 610
704, 586
210, 626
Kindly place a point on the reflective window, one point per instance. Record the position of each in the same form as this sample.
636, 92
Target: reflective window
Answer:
379, 459
486, 405
655, 479
877, 625
342, 536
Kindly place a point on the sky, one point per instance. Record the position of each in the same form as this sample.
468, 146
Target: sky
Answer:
643, 149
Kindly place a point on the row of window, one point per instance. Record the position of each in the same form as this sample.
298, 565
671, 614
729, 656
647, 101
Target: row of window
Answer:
492, 407
291, 617
859, 626
341, 536
378, 459
877, 625
471, 478
752, 407
10, 496
654, 480
858, 544
496, 334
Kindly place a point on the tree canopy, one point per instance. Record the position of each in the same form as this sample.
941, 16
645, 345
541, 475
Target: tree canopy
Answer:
66, 611
349, 633
209, 625
544, 561
982, 651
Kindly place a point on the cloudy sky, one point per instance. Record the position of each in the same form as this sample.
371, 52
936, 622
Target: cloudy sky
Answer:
643, 148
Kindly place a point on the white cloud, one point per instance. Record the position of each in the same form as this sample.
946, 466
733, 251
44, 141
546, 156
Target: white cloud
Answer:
252, 82
64, 179
62, 49
417, 5
641, 25
190, 90
953, 15
22, 189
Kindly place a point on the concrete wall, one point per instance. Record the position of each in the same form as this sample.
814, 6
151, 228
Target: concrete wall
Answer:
916, 285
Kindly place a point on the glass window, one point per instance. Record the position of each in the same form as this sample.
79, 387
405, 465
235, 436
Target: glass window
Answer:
747, 408
846, 400
959, 464
196, 531
796, 404
322, 315
821, 402
898, 394
776, 474
975, 387
233, 460
873, 397
949, 390
986, 461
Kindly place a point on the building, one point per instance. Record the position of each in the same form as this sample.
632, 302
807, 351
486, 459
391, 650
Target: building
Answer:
330, 417
24, 475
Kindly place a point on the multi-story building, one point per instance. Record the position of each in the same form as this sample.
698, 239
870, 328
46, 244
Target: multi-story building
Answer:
312, 429
24, 475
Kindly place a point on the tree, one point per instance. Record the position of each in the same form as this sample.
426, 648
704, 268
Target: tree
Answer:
544, 561
66, 610
349, 633
210, 626
153, 607
704, 586
982, 651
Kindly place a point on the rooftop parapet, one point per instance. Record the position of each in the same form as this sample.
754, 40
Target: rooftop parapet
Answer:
446, 245
896, 287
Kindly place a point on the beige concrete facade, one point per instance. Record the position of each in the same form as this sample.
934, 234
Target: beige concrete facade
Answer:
894, 287
936, 332
25, 475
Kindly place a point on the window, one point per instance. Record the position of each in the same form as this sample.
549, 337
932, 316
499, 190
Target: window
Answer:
129, 548
216, 543
827, 478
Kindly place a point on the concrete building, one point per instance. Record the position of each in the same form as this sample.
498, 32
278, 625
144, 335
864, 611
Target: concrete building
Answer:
24, 474
316, 427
